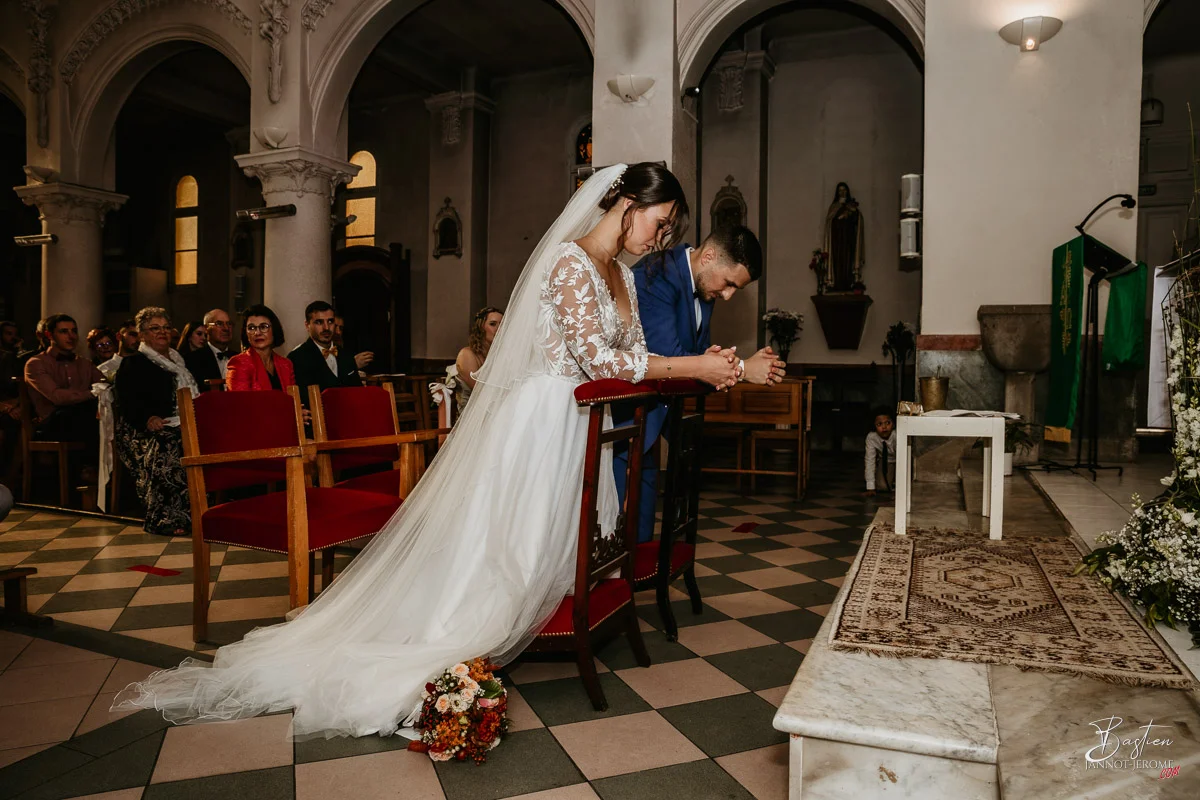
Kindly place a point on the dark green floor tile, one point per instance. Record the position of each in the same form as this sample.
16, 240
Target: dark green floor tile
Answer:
44, 524
37, 585
118, 734
21, 545
834, 549
54, 556
830, 568
565, 700
727, 565
256, 587
87, 601
346, 746
683, 614
706, 524
38, 769
263, 784
745, 724
759, 667
180, 546
788, 515
92, 530
717, 585
771, 529
617, 654
184, 576
240, 555
756, 545
139, 538
697, 780
786, 626
229, 632
816, 593
525, 762
160, 616
723, 511
101, 566
124, 768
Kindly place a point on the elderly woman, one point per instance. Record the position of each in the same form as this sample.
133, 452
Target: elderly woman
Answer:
148, 438
259, 367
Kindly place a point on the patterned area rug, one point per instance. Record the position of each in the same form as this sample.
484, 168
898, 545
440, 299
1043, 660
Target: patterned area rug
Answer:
960, 595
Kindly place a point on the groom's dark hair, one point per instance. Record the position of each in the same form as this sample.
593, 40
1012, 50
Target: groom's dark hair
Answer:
741, 246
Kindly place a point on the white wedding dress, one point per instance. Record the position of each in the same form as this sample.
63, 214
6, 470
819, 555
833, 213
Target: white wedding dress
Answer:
481, 552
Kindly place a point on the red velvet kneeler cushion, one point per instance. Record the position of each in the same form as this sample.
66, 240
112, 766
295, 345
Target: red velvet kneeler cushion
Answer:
387, 482
230, 421
356, 412
335, 516
605, 598
645, 558
608, 390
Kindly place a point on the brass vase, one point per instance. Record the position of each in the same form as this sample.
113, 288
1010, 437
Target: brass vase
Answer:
934, 392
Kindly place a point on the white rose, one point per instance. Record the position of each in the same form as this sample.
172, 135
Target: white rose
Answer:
460, 670
443, 704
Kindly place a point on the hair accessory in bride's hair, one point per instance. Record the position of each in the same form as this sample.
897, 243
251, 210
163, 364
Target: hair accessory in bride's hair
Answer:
616, 184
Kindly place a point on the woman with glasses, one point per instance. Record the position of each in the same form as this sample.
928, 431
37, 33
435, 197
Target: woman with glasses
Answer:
103, 344
147, 437
259, 367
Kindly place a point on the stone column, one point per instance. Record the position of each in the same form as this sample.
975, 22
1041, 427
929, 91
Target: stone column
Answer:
72, 269
296, 268
459, 150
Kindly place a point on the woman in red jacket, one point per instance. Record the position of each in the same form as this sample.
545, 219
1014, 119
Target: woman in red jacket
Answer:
258, 367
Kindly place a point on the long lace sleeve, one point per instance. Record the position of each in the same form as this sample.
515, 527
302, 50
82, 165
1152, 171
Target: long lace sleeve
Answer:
577, 308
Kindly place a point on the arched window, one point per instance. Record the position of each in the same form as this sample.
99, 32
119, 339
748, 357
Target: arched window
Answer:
187, 230
360, 201
581, 170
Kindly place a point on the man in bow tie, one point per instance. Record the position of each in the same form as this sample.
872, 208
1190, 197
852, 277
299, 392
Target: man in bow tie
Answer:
319, 361
208, 363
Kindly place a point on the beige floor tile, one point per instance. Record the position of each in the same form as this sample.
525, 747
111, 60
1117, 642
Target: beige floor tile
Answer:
49, 517
537, 671
774, 696
817, 525
36, 601
95, 522
15, 754
718, 535
247, 608
33, 536
733, 522
704, 572
678, 682
246, 572
99, 714
630, 743
53, 681
160, 595
770, 578
240, 746
521, 716
762, 509
847, 559
41, 652
802, 539
101, 619
714, 550
788, 556
105, 580
78, 542
379, 776
12, 559
801, 645
822, 609
828, 513
580, 791
721, 637
122, 794
184, 560
176, 636
126, 672
11, 645
132, 550
749, 604
764, 772
45, 722
59, 569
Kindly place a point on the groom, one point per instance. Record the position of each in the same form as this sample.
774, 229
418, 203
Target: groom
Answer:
676, 294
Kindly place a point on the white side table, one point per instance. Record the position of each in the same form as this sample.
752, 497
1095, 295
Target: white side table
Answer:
989, 428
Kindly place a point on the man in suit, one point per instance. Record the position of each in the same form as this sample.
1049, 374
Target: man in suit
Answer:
208, 363
676, 293
318, 361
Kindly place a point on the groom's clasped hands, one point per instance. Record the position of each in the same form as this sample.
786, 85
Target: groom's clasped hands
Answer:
763, 368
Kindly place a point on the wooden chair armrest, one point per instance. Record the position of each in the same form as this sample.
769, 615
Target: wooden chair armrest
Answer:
243, 455
408, 437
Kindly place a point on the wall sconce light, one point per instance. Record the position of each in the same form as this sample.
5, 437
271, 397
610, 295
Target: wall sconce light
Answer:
37, 240
1029, 33
269, 212
1152, 107
630, 88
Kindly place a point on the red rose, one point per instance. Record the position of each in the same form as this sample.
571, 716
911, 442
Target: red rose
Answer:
429, 687
418, 746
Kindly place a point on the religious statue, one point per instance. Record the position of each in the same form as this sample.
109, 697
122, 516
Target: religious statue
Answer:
843, 244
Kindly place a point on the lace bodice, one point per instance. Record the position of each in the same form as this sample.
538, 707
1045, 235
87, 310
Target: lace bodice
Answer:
581, 332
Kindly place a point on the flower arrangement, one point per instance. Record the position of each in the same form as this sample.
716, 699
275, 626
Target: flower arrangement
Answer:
784, 328
820, 265
464, 713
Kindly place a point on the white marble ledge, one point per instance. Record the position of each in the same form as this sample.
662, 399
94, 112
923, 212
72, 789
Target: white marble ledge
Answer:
933, 707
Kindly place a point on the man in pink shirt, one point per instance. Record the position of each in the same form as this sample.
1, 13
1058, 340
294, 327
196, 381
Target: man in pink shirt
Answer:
60, 387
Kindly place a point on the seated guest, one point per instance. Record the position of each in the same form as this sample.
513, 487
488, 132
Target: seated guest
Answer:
259, 367
40, 342
361, 360
318, 361
194, 337
10, 338
147, 438
102, 344
129, 339
209, 363
483, 331
61, 390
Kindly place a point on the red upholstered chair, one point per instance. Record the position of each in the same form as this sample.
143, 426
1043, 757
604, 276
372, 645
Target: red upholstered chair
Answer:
659, 563
602, 605
233, 439
358, 413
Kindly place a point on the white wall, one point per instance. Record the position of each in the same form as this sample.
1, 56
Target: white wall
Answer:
854, 117
1020, 146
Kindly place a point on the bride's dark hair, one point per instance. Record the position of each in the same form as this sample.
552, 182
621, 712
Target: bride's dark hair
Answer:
649, 184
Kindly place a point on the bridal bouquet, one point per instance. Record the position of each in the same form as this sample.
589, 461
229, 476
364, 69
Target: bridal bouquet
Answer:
463, 713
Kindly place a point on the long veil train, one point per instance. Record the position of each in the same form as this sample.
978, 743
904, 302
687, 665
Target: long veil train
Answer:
476, 559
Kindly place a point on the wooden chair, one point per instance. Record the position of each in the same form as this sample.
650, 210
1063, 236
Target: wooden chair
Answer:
657, 564
361, 412
718, 406
797, 409
30, 445
602, 605
235, 439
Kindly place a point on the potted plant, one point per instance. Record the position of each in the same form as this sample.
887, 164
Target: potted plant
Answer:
783, 328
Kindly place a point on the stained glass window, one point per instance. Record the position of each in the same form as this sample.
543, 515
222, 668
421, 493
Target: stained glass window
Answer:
360, 201
187, 231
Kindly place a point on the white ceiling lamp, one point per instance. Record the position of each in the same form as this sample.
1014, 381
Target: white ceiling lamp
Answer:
1029, 33
1152, 107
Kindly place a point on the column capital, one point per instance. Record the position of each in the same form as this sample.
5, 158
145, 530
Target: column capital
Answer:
463, 100
750, 61
69, 202
297, 171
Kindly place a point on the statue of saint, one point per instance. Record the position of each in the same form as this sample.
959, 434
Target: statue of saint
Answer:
843, 242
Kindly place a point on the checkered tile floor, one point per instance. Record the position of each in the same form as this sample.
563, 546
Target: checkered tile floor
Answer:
696, 724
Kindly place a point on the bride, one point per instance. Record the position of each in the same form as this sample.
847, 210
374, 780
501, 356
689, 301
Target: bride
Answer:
483, 550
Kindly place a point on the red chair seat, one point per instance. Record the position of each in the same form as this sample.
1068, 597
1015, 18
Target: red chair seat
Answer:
334, 516
605, 598
645, 558
387, 482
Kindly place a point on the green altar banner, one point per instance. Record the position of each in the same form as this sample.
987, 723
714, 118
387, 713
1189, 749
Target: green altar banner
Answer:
1125, 324
1066, 317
